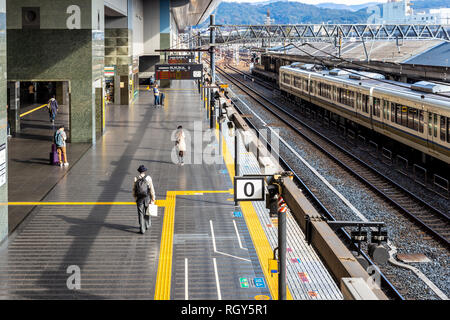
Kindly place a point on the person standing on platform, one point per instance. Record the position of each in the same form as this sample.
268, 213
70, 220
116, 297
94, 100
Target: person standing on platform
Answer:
156, 94
52, 109
161, 98
144, 194
60, 138
180, 143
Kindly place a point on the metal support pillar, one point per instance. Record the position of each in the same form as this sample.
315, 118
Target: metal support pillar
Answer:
220, 128
212, 41
199, 46
211, 109
282, 255
236, 156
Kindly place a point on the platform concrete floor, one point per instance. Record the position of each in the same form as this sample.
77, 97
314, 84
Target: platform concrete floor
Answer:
88, 221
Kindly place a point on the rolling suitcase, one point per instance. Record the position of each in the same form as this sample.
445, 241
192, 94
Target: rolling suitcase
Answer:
54, 156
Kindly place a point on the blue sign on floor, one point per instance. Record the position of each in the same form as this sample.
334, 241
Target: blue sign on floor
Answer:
259, 282
237, 214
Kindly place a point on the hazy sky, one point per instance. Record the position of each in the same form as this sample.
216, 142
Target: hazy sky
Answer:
348, 2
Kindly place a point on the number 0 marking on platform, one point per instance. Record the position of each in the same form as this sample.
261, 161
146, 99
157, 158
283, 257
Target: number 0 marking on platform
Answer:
248, 189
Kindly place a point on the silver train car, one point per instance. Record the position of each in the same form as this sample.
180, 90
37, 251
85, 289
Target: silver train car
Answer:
410, 114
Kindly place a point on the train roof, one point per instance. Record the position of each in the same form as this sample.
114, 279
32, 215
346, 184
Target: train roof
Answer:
372, 80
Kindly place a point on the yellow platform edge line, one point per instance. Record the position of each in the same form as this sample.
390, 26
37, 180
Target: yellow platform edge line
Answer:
160, 203
259, 238
33, 110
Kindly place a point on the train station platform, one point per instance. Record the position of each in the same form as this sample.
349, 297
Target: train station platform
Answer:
84, 230
31, 176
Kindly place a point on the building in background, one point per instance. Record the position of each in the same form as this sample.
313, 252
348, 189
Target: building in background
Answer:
400, 11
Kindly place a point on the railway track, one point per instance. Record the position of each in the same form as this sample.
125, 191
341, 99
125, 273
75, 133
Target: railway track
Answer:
385, 284
432, 220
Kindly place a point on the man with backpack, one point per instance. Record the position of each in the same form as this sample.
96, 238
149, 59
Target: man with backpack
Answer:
52, 109
144, 194
60, 138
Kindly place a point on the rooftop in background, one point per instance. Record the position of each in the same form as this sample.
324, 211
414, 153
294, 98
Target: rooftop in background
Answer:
423, 52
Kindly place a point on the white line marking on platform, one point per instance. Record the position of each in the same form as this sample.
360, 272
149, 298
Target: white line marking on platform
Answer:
219, 252
237, 234
186, 279
219, 296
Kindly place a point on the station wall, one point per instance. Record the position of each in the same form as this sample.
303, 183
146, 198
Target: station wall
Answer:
70, 33
3, 126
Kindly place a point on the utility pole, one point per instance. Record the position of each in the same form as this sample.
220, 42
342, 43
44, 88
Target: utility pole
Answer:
212, 40
282, 211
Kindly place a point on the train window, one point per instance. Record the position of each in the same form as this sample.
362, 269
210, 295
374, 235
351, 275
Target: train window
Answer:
287, 78
430, 124
386, 109
351, 99
393, 113
297, 82
365, 103
443, 128
413, 119
421, 121
448, 129
435, 125
376, 107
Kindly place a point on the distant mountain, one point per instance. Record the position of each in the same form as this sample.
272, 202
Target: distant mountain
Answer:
429, 4
283, 12
292, 12
338, 6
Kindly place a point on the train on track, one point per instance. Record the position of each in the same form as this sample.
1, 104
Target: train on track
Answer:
412, 114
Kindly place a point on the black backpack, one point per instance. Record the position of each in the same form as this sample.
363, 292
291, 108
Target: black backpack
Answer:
141, 188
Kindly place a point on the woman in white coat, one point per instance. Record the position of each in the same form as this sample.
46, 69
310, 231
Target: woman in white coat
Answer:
180, 144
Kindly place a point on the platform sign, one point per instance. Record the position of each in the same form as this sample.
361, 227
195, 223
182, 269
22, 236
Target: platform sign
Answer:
179, 59
110, 71
249, 189
188, 71
259, 282
244, 282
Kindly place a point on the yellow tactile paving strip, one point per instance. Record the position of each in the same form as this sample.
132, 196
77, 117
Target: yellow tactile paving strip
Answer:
259, 238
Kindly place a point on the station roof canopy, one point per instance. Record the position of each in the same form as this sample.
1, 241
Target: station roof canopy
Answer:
191, 12
424, 52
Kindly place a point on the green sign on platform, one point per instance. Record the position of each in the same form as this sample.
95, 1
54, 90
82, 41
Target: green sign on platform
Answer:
244, 282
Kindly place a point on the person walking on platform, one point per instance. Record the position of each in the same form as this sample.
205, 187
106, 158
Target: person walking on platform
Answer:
156, 94
144, 194
60, 138
52, 109
180, 143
